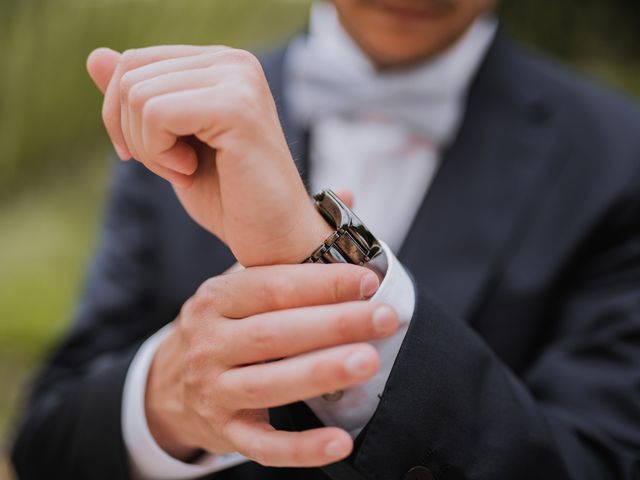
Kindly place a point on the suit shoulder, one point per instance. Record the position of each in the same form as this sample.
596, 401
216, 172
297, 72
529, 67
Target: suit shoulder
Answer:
587, 101
597, 126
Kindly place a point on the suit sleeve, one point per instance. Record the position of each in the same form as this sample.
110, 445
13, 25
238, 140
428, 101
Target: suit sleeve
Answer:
71, 425
453, 410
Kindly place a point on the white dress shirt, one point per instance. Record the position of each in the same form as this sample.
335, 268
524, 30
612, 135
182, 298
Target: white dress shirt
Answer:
386, 151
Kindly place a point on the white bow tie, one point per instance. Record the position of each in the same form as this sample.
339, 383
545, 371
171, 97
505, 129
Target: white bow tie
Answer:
331, 77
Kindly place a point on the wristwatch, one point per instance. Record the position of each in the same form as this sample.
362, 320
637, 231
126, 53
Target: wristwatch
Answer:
352, 242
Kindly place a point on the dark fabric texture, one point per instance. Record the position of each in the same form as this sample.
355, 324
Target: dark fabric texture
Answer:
522, 360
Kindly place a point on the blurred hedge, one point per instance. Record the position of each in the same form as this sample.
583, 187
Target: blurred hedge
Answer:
599, 37
578, 29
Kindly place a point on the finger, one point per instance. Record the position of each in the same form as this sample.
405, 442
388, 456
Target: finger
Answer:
346, 196
178, 114
132, 99
276, 448
126, 133
130, 60
202, 112
291, 332
171, 65
298, 378
181, 159
137, 91
101, 64
265, 289
175, 178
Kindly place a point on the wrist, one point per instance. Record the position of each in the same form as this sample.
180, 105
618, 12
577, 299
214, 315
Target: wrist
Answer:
313, 230
162, 402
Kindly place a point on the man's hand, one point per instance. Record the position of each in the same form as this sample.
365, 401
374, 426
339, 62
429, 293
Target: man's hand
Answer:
204, 119
259, 338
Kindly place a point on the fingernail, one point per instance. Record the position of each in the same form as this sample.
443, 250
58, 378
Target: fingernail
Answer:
336, 449
359, 364
184, 169
368, 285
384, 321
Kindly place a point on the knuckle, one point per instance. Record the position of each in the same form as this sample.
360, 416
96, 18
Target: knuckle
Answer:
109, 115
340, 287
192, 310
220, 391
252, 390
190, 306
243, 103
249, 97
242, 57
127, 81
263, 338
344, 283
322, 371
137, 96
214, 292
210, 288
129, 58
196, 359
151, 113
212, 68
298, 454
183, 323
196, 356
277, 290
344, 325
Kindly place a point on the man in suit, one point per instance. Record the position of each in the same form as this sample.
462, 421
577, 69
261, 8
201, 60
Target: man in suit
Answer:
495, 336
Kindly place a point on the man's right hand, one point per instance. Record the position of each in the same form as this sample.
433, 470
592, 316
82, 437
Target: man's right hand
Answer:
204, 119
260, 338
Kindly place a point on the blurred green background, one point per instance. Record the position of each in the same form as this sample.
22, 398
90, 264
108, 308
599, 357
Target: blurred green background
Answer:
55, 157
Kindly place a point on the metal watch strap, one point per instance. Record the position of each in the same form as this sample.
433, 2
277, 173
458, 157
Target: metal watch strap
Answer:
352, 242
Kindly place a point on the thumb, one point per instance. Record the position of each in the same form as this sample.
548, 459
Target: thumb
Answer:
100, 64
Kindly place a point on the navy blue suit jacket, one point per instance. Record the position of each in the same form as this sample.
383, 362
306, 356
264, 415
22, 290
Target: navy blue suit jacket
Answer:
522, 360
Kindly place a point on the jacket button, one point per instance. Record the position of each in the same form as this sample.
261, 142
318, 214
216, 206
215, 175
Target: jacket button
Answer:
419, 473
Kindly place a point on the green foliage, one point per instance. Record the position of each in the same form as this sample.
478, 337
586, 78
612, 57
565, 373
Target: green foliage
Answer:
46, 236
599, 37
577, 29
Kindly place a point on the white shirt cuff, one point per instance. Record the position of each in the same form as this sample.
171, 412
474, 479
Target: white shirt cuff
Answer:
148, 461
357, 405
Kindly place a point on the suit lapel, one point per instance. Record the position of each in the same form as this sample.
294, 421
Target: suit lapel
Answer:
487, 181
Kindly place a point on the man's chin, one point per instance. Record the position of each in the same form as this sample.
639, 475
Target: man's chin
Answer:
413, 12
